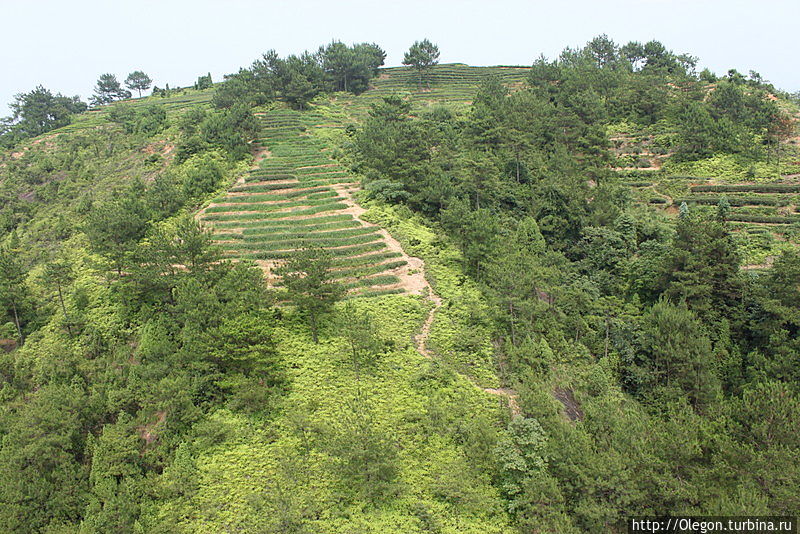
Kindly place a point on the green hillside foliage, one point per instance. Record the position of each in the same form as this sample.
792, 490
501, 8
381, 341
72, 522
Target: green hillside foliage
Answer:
638, 326
194, 339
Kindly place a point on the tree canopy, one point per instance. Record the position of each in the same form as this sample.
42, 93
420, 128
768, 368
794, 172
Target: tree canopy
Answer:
139, 81
422, 56
107, 90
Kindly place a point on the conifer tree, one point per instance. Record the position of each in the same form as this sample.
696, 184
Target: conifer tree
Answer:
108, 89
309, 284
422, 56
139, 81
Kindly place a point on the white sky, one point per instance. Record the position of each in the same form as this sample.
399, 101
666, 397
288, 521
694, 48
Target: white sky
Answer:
65, 45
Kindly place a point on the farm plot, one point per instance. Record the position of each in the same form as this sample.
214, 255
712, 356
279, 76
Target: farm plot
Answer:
448, 84
764, 217
175, 104
297, 197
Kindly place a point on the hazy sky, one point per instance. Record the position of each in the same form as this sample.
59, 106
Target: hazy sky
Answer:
64, 45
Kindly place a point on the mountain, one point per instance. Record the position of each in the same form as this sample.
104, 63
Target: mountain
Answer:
449, 299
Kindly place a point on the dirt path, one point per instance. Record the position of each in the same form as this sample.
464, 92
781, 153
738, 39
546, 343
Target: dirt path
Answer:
510, 395
416, 284
412, 274
421, 339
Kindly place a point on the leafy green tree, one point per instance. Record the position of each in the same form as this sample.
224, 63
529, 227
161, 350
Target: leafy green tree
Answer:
299, 79
60, 274
349, 68
42, 458
360, 331
171, 251
37, 112
148, 120
231, 130
203, 82
723, 208
422, 56
514, 273
702, 268
245, 343
139, 81
249, 87
535, 499
243, 348
107, 90
391, 145
761, 456
115, 478
604, 254
773, 330
368, 458
202, 174
310, 284
475, 231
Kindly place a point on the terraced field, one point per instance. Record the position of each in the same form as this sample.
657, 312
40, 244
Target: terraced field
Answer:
173, 105
297, 196
451, 84
765, 216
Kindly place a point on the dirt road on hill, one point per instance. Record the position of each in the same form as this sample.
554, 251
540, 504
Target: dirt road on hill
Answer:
415, 283
412, 274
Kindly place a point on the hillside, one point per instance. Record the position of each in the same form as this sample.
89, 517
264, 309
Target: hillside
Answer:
444, 299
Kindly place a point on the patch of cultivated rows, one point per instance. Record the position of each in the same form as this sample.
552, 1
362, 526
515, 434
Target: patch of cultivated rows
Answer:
287, 202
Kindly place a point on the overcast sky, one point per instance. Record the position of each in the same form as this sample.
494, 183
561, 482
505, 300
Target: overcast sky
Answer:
64, 45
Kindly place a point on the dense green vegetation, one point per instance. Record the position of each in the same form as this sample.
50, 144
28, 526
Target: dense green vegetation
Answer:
202, 331
644, 329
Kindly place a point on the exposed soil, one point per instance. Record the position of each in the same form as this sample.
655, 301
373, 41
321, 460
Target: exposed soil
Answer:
510, 395
571, 407
148, 432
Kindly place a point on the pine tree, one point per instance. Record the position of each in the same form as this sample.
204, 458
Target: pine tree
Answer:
723, 208
422, 56
107, 90
310, 285
138, 80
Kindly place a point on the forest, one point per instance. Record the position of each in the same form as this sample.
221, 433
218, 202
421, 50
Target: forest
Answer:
323, 295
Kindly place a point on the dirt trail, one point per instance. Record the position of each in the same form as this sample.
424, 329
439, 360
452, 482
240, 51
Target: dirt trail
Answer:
412, 277
510, 395
416, 284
